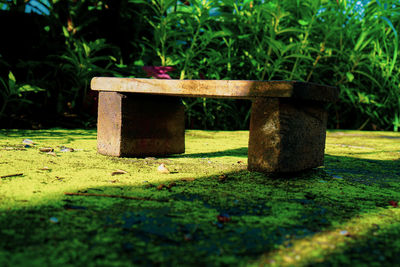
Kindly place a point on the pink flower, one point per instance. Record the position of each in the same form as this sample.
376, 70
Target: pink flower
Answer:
158, 72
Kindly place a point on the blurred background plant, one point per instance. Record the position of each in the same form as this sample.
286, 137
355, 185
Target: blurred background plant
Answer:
61, 45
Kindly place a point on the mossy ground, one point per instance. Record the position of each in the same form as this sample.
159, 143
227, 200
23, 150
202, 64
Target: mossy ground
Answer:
211, 211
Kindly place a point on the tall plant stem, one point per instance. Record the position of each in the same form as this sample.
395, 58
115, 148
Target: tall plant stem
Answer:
316, 61
303, 46
190, 52
272, 34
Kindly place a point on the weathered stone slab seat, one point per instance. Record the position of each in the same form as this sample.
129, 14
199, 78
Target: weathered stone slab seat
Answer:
145, 117
237, 89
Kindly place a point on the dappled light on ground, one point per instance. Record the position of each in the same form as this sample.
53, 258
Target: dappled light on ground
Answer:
62, 203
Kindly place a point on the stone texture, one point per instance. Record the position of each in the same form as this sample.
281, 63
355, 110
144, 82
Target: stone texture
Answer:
241, 89
109, 121
140, 125
286, 135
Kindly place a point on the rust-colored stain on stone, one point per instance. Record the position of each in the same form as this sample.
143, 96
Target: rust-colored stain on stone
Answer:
145, 117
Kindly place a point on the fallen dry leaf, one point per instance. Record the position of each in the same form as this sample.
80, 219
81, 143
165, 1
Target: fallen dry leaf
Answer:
52, 154
223, 218
170, 185
188, 179
222, 177
11, 175
117, 172
14, 148
161, 186
46, 149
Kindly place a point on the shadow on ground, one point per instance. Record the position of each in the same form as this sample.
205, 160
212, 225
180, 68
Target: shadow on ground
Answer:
226, 153
232, 219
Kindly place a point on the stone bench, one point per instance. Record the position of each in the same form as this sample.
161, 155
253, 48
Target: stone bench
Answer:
145, 117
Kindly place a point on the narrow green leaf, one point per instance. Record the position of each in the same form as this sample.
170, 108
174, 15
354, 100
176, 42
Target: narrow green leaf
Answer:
350, 76
65, 31
11, 77
303, 22
30, 88
391, 26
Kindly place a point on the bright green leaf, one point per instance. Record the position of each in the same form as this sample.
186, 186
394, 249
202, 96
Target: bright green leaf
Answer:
303, 22
11, 77
350, 76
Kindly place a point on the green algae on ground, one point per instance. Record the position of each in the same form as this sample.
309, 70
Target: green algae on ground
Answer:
318, 217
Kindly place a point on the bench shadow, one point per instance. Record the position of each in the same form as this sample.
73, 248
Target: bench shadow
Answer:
237, 152
207, 221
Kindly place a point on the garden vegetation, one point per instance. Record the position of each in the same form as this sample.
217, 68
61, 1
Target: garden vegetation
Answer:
47, 63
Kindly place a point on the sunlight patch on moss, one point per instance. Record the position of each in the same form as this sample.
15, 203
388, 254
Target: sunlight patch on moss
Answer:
317, 248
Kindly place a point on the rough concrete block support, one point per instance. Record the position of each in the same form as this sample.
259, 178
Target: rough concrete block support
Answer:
286, 135
140, 125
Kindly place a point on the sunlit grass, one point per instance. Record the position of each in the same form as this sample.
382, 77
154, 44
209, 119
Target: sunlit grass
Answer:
319, 247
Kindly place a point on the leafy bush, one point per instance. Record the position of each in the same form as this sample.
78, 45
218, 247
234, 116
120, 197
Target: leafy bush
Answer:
13, 94
349, 44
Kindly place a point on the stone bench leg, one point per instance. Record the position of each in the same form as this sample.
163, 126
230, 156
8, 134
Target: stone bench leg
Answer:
286, 135
140, 125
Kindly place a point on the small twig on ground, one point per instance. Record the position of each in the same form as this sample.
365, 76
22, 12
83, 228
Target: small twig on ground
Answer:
11, 175
114, 196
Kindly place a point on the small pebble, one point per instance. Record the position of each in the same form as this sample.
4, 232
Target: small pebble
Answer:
28, 142
163, 169
66, 149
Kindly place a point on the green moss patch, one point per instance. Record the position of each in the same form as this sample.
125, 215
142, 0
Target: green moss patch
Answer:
62, 203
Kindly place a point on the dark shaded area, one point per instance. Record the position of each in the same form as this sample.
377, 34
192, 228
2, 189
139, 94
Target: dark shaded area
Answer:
60, 53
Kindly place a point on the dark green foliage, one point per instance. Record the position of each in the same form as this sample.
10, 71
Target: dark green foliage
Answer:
339, 43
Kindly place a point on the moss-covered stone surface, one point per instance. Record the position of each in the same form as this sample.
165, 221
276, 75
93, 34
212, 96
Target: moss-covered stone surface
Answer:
74, 207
